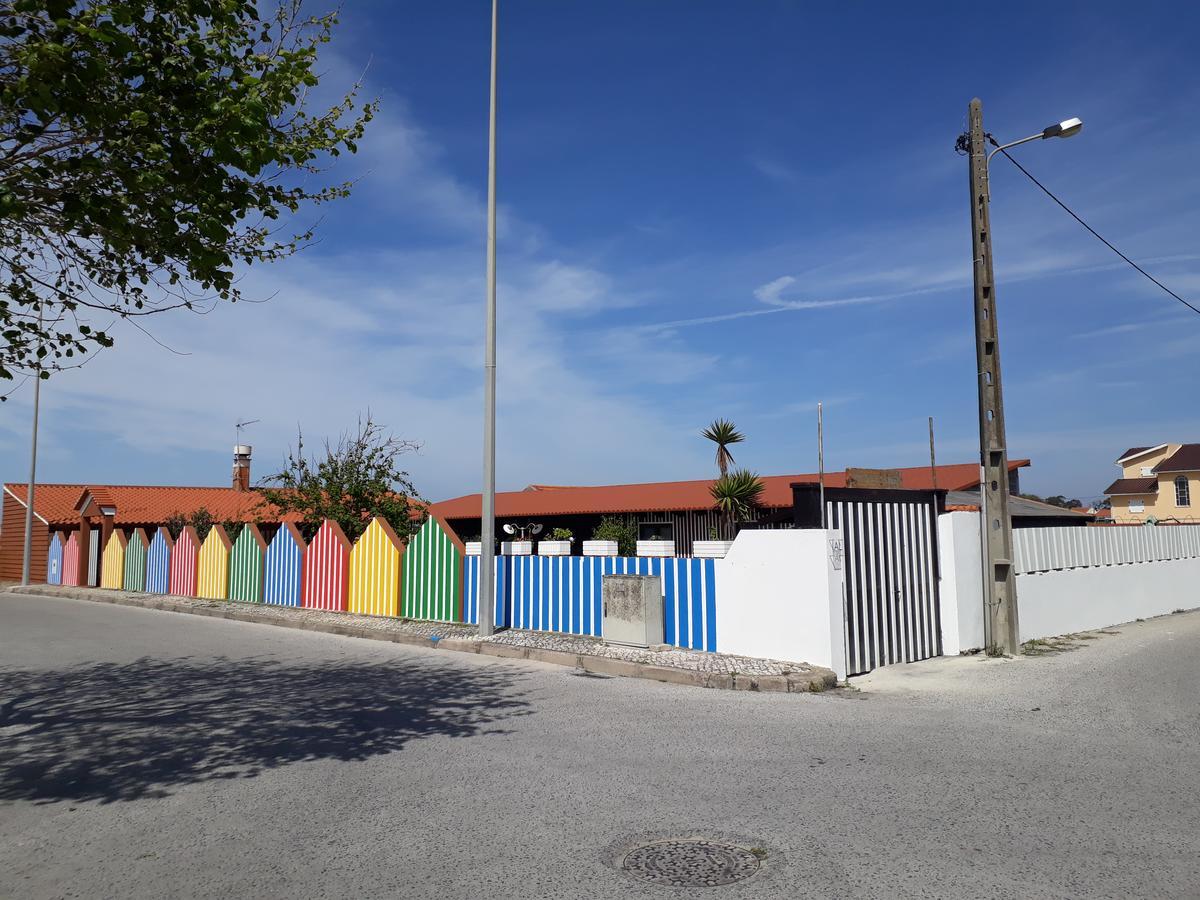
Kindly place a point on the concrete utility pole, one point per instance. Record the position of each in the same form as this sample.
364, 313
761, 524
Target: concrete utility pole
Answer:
487, 522
999, 581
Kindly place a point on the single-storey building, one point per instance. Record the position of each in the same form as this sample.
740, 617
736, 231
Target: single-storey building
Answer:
681, 511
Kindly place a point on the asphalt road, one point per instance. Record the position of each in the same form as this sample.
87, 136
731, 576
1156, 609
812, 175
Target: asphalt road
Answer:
150, 754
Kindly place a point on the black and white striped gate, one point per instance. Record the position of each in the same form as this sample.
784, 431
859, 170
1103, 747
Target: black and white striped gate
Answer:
891, 572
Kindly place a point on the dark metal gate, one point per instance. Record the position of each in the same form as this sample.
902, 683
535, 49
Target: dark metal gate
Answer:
891, 572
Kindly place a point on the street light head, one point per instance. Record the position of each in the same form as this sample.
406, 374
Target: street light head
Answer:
1064, 129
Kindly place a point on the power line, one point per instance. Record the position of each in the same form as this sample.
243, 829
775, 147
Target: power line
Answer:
1093, 231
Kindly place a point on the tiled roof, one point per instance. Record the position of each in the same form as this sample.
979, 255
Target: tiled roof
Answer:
140, 504
1133, 486
1185, 459
1133, 451
546, 500
1020, 507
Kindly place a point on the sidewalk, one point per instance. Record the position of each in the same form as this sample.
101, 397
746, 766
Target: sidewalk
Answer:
673, 665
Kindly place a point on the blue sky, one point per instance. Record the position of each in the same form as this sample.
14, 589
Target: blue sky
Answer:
707, 209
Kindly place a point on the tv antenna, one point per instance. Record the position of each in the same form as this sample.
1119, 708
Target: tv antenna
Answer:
238, 426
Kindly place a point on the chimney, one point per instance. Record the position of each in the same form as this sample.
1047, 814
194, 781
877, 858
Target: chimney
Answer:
241, 467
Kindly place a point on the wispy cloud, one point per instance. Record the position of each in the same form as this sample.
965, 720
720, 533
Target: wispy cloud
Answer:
774, 170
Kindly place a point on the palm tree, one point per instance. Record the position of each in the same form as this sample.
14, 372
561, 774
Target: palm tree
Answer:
722, 432
736, 494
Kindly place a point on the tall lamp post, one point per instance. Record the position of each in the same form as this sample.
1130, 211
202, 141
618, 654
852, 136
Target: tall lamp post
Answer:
487, 522
26, 554
1000, 590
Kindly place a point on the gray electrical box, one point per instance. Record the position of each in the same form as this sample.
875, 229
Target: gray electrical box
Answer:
633, 610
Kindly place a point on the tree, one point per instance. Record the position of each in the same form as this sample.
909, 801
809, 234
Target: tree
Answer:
201, 520
148, 148
736, 494
723, 433
622, 529
356, 480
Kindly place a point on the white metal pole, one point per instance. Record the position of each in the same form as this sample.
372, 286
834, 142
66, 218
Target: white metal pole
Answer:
821, 460
487, 558
37, 390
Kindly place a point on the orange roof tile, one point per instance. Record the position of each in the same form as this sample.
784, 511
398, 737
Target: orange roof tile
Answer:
145, 504
546, 500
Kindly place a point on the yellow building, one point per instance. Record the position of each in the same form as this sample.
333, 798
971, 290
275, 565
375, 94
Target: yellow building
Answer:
1160, 483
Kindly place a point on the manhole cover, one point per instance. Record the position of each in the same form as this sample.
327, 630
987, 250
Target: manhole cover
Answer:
690, 863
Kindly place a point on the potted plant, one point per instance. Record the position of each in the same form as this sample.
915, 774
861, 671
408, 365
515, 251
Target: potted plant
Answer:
713, 548
558, 544
614, 536
655, 545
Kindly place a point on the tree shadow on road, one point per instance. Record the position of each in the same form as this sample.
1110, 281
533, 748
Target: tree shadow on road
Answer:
110, 732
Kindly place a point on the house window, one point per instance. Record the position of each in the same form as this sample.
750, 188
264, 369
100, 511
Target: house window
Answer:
1137, 505
1183, 495
1147, 471
656, 531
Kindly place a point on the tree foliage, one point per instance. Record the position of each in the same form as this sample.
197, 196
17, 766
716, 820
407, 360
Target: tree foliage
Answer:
622, 529
723, 433
149, 148
201, 520
354, 481
737, 494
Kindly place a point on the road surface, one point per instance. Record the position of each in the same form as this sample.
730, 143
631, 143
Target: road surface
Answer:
146, 754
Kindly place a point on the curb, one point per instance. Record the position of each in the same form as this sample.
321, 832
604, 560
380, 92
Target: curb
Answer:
813, 681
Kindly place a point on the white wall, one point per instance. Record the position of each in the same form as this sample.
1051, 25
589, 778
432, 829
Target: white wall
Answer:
961, 589
779, 596
1051, 603
1061, 601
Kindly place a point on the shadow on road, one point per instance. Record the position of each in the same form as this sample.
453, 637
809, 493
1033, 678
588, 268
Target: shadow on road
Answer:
111, 732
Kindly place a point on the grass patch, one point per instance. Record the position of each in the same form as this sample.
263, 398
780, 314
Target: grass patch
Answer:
758, 853
1048, 646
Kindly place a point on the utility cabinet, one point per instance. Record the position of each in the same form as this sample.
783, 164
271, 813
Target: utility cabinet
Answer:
633, 610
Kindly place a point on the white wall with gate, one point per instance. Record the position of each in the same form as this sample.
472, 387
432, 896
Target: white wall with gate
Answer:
1069, 579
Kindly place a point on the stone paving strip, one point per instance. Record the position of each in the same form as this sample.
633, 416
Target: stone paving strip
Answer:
673, 665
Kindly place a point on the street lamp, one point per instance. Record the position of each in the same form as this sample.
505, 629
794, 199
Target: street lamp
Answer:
1001, 627
1064, 129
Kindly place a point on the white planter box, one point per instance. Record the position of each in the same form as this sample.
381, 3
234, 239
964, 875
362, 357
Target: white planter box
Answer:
474, 548
655, 548
516, 548
710, 549
599, 548
554, 548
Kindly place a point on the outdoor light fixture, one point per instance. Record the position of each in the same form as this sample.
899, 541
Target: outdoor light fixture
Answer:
521, 531
1064, 129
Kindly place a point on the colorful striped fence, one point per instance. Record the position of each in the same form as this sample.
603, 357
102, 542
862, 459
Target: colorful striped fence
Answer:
135, 561
158, 562
327, 569
375, 571
112, 563
184, 557
54, 560
564, 593
433, 569
212, 577
70, 564
283, 567
246, 566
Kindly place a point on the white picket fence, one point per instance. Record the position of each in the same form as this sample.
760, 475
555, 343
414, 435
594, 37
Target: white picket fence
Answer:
1054, 549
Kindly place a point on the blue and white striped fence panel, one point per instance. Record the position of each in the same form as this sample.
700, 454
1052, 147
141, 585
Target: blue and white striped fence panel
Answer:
54, 561
501, 591
564, 593
283, 568
158, 564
